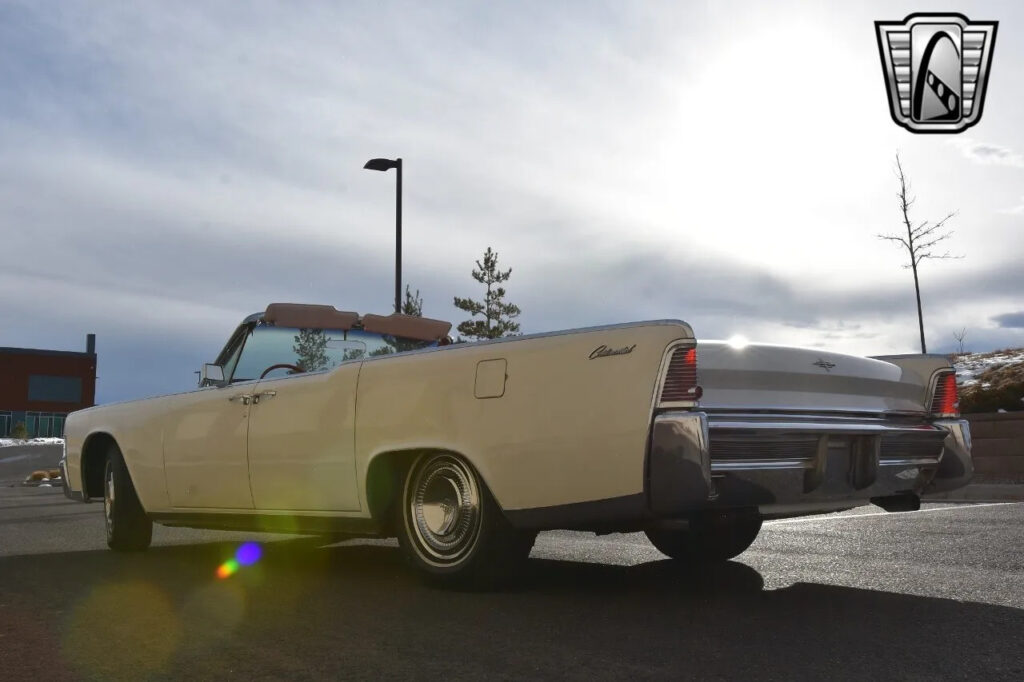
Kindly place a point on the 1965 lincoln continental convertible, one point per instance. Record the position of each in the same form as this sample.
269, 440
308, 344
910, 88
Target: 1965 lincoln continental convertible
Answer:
314, 420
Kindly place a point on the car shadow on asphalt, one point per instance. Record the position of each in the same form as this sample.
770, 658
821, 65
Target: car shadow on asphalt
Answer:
568, 619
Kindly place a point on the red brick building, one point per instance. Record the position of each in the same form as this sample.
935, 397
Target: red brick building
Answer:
40, 387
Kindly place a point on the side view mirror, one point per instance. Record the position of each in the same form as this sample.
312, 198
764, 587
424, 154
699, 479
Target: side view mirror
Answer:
211, 375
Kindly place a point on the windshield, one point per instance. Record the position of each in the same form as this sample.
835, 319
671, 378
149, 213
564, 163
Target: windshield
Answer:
311, 350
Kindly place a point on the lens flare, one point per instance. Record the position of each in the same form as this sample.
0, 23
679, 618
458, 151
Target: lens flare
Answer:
141, 631
227, 568
247, 554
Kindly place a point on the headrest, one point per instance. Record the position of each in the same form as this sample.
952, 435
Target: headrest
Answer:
308, 316
407, 326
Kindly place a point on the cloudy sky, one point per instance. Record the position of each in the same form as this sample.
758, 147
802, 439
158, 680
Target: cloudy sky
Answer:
167, 168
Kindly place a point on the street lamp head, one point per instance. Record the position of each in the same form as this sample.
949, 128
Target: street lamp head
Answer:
382, 164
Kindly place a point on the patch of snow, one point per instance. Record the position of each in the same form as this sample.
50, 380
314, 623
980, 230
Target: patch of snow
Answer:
970, 365
8, 442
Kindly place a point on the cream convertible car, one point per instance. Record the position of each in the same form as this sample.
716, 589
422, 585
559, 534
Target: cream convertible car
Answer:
314, 420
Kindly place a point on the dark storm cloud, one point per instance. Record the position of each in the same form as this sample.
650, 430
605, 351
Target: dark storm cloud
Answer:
168, 303
719, 296
715, 296
164, 293
1010, 320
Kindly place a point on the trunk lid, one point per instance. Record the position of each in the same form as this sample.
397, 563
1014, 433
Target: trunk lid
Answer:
785, 378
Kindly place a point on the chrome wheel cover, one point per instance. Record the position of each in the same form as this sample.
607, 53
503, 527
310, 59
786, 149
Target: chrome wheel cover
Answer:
443, 509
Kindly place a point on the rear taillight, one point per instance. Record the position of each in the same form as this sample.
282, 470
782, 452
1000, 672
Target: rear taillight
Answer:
681, 377
945, 401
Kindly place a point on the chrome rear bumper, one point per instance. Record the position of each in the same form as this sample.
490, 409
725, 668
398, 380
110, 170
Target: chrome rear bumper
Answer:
77, 495
780, 462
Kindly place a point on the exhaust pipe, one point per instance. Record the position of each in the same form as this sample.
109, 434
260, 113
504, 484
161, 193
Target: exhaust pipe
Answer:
903, 502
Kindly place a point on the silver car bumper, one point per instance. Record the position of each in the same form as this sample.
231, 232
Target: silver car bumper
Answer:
786, 464
76, 495
956, 468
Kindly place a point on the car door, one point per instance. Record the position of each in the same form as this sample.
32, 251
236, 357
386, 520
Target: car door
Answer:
205, 435
302, 441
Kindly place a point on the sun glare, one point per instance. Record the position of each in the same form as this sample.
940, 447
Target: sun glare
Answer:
738, 342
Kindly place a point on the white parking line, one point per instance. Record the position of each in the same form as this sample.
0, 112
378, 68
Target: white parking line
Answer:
810, 519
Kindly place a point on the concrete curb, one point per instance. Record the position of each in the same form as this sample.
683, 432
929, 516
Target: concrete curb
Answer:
981, 492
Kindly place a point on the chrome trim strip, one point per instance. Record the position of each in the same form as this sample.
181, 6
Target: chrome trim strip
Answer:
678, 404
900, 356
760, 464
790, 411
777, 413
822, 426
909, 461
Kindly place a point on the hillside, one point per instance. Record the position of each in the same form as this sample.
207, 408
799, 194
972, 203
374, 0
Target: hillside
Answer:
991, 382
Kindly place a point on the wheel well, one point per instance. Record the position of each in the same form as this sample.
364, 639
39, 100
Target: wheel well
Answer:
94, 458
386, 476
384, 479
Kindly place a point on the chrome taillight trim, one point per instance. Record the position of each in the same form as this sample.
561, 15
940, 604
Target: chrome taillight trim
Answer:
666, 362
933, 386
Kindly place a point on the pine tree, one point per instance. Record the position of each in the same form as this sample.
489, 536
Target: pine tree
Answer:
497, 315
311, 349
413, 303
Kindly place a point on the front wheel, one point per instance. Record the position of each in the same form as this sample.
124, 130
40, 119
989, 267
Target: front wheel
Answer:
451, 528
128, 527
709, 538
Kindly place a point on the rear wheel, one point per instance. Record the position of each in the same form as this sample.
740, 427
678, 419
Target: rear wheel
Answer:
128, 527
709, 538
451, 528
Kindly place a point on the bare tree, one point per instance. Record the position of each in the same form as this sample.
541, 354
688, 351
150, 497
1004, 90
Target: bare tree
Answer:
960, 336
920, 241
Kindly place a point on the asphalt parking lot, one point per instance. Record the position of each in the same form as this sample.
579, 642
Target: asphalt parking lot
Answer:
935, 594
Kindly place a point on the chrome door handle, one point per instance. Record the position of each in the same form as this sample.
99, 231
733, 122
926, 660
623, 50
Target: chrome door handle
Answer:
244, 398
263, 394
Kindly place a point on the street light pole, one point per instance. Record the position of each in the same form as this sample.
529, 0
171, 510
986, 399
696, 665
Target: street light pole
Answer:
385, 165
398, 238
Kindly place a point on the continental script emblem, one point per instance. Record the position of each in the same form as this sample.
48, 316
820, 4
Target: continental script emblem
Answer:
825, 364
936, 69
604, 351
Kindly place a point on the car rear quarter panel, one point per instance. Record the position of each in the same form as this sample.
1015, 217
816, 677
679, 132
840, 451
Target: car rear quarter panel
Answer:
919, 370
566, 428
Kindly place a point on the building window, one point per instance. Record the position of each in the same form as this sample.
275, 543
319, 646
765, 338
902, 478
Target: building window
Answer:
6, 422
54, 389
45, 424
